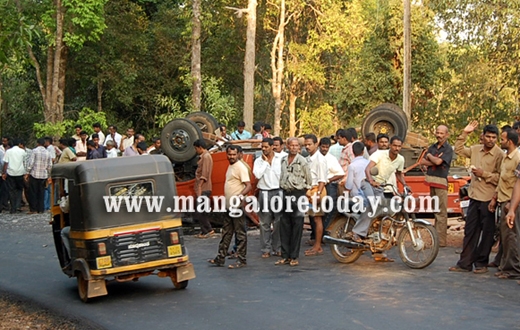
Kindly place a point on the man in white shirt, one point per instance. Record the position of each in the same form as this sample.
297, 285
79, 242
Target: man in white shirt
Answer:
13, 173
334, 174
81, 146
111, 149
99, 132
318, 168
267, 170
127, 140
113, 136
356, 176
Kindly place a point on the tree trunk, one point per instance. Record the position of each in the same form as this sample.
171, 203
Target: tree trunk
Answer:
292, 113
407, 74
99, 94
277, 68
56, 99
196, 56
249, 65
61, 83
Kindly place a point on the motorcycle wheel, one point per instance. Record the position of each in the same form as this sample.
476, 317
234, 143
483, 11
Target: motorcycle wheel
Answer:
339, 229
427, 248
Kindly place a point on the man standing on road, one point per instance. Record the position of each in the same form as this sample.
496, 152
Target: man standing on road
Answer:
508, 263
13, 173
486, 160
334, 174
237, 185
319, 171
267, 169
295, 179
38, 168
438, 159
203, 185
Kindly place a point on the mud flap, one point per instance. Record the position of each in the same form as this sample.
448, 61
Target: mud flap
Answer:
97, 288
186, 272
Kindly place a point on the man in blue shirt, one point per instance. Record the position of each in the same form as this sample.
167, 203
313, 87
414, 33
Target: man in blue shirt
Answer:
241, 133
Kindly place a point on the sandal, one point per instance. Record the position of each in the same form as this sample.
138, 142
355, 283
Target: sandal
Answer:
201, 235
266, 255
294, 262
237, 264
232, 255
312, 252
383, 259
283, 262
216, 263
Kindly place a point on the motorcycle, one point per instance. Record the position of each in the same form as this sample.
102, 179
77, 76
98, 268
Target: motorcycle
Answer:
417, 239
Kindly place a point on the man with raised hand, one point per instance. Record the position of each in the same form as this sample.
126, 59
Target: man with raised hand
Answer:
486, 160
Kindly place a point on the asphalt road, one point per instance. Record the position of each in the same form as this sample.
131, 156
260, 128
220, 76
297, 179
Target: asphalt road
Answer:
319, 294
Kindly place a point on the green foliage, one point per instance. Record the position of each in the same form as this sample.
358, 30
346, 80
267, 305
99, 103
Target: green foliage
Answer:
321, 121
86, 118
221, 105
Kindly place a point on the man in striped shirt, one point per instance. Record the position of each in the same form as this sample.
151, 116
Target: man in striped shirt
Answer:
38, 168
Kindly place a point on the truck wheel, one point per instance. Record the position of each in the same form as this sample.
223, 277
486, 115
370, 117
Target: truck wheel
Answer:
206, 122
177, 139
386, 118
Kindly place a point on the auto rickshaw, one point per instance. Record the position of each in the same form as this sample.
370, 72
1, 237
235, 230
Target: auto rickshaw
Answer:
117, 243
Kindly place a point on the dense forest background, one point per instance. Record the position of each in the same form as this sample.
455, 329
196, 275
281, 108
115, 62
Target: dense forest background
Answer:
128, 62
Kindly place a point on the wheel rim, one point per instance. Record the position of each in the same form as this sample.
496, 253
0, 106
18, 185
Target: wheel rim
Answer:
424, 249
384, 127
341, 232
180, 140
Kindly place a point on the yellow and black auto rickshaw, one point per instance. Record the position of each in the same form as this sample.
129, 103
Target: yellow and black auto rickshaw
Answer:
112, 220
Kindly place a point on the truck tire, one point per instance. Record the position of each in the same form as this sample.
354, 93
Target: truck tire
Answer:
177, 139
386, 118
206, 122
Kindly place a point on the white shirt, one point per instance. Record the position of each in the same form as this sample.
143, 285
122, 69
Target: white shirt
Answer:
14, 157
318, 167
356, 174
333, 166
101, 137
112, 153
116, 139
81, 147
268, 175
387, 167
282, 154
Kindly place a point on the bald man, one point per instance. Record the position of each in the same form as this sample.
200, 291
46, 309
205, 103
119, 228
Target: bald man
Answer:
438, 160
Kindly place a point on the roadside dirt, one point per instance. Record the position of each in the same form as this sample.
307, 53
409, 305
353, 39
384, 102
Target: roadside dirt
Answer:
17, 315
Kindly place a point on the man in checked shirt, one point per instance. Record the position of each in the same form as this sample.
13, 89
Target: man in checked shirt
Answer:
38, 169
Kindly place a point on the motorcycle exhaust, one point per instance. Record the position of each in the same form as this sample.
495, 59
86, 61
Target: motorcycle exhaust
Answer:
339, 241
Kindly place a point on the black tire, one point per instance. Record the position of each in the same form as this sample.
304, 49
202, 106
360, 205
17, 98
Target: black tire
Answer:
341, 226
177, 139
82, 287
179, 285
386, 118
427, 248
206, 122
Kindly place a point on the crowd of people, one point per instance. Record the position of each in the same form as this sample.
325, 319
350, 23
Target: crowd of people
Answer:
300, 167
25, 172
312, 167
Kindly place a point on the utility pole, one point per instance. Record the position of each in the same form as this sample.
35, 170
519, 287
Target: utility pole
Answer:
407, 54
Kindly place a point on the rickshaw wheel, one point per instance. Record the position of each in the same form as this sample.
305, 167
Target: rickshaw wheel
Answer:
82, 287
178, 285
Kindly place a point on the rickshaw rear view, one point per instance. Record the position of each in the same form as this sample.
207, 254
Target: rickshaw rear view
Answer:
112, 220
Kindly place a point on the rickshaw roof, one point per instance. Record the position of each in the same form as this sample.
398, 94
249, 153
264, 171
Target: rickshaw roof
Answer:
108, 169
